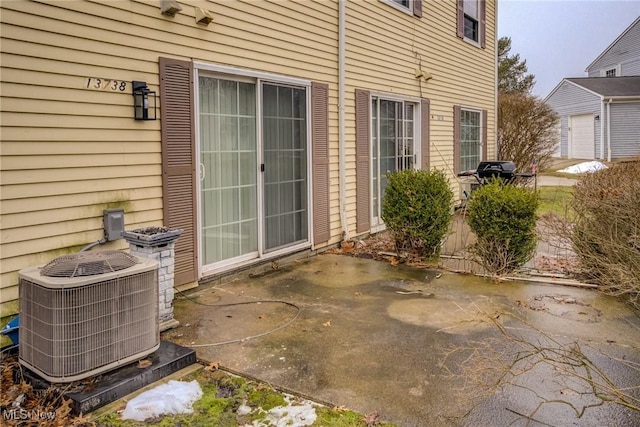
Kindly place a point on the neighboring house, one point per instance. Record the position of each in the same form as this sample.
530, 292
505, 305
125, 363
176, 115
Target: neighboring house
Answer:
277, 121
600, 114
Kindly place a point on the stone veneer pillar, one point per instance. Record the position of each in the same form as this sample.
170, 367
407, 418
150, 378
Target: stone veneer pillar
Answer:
158, 243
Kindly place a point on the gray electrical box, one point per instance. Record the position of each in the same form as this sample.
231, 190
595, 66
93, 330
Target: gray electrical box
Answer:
113, 223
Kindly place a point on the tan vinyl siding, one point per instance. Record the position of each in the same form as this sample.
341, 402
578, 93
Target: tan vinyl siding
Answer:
386, 46
69, 152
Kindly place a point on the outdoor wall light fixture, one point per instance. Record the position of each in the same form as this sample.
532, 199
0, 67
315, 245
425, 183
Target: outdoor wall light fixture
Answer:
597, 117
144, 101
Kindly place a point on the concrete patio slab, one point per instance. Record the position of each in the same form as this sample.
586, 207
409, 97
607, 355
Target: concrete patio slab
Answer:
422, 347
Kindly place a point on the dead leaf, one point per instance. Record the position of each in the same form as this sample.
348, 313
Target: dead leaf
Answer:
327, 323
340, 408
144, 363
212, 366
371, 419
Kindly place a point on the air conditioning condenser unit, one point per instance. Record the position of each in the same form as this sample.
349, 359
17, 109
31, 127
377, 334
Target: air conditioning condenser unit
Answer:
87, 313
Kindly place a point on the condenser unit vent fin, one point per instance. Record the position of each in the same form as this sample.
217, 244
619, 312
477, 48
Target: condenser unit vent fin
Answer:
88, 264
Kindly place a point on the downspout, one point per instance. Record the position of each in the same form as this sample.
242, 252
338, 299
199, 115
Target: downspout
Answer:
609, 130
602, 128
341, 117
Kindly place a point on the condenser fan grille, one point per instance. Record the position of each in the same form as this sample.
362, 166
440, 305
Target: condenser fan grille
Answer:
88, 264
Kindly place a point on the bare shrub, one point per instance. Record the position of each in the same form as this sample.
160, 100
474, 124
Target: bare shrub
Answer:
526, 130
606, 229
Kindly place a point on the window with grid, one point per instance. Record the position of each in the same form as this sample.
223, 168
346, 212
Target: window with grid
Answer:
393, 143
470, 139
610, 73
471, 20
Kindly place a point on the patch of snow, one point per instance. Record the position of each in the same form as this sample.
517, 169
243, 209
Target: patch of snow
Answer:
293, 414
174, 397
585, 167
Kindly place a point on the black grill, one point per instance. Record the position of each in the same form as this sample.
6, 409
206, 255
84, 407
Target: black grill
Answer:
501, 169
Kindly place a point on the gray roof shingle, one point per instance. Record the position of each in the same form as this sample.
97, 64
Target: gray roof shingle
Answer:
610, 86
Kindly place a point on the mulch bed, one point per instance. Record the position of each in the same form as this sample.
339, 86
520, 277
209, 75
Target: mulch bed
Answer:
22, 404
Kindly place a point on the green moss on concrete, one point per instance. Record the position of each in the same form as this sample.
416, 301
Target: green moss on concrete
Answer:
329, 417
265, 398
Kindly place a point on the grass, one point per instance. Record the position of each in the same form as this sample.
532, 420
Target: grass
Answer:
555, 200
564, 175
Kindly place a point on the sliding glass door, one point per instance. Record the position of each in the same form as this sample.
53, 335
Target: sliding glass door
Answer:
228, 176
253, 185
284, 128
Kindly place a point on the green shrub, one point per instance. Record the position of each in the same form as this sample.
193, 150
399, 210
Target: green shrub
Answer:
503, 217
606, 229
417, 210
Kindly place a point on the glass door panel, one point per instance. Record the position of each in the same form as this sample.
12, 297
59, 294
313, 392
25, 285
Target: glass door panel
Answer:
228, 153
392, 145
284, 139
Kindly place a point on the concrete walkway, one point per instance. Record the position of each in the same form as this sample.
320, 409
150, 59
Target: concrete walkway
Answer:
416, 345
555, 181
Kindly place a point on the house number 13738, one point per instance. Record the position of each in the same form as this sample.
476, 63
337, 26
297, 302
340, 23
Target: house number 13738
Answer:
96, 83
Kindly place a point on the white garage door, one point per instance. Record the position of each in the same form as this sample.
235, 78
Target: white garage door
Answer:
581, 142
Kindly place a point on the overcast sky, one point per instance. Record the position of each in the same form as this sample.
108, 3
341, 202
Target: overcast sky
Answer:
560, 38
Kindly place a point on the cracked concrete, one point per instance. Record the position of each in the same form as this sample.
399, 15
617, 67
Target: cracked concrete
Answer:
373, 337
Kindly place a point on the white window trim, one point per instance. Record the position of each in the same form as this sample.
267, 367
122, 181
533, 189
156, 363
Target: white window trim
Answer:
257, 77
472, 41
408, 11
377, 225
603, 71
465, 38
